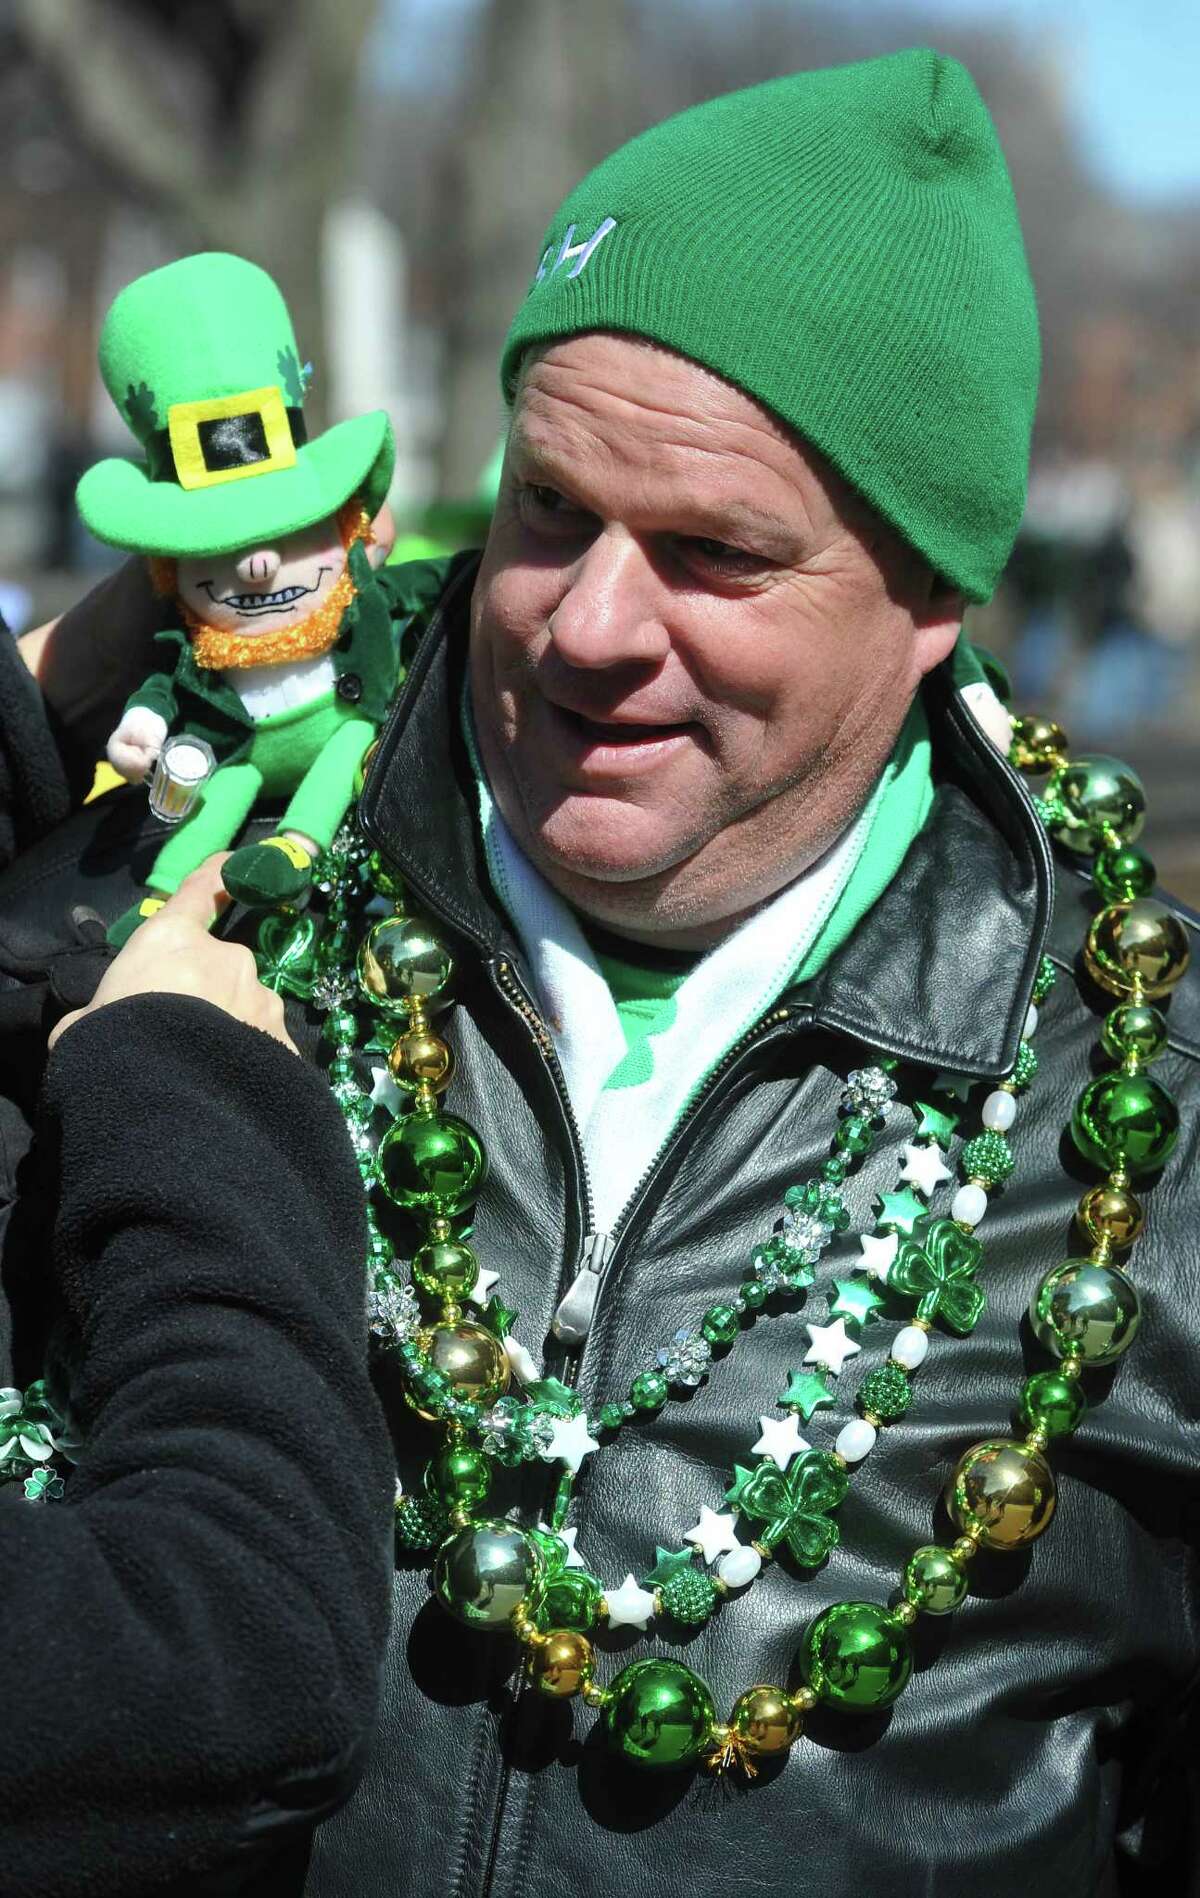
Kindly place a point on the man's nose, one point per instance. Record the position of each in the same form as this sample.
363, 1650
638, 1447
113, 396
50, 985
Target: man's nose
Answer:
609, 614
259, 567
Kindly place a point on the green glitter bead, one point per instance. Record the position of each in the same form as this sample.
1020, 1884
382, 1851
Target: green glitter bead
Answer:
431, 1163
854, 1135
570, 1599
1125, 1120
1087, 1310
612, 1416
1135, 1028
421, 1523
341, 1024
988, 1159
648, 1391
1123, 873
1045, 979
1025, 1066
753, 1294
341, 1068
719, 1324
1092, 797
1051, 1403
886, 1392
445, 1269
659, 1714
835, 1169
933, 1581
690, 1597
856, 1655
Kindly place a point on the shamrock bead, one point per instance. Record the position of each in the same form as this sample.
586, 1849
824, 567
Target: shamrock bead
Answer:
690, 1597
886, 1392
719, 1324
1092, 800
1002, 1492
1086, 1309
648, 1391
1137, 948
659, 1714
1126, 1120
1122, 873
987, 1159
1135, 1030
484, 1572
933, 1581
856, 1655
402, 964
1051, 1403
431, 1163
421, 1523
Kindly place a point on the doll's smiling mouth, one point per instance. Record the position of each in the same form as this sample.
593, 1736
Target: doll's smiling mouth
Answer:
249, 605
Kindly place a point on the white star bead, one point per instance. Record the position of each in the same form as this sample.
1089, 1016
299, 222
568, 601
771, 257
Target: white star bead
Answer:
385, 1093
713, 1534
481, 1291
523, 1364
629, 1606
956, 1085
571, 1442
567, 1538
923, 1169
781, 1439
831, 1346
878, 1252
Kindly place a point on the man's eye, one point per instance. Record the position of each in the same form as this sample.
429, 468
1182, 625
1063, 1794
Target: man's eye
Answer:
717, 556
541, 504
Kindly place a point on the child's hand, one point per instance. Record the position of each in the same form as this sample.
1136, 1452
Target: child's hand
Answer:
136, 743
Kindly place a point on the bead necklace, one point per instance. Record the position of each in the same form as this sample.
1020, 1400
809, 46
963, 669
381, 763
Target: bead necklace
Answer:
1001, 1495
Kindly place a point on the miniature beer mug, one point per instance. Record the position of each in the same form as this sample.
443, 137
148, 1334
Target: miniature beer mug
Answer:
180, 769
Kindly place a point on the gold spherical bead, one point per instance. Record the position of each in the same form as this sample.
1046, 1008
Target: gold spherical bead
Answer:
1137, 948
765, 1719
906, 1612
421, 1059
475, 1362
1111, 1213
562, 1663
1038, 745
965, 1549
592, 1694
1005, 1491
804, 1699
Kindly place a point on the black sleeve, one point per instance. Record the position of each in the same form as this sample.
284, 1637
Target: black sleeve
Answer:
35, 783
192, 1636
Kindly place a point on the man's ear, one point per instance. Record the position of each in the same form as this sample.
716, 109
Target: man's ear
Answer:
383, 529
937, 625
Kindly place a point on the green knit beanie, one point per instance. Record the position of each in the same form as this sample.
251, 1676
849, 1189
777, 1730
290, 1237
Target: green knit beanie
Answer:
844, 246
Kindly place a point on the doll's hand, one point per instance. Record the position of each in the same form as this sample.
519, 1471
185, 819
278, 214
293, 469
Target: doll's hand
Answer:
136, 743
172, 953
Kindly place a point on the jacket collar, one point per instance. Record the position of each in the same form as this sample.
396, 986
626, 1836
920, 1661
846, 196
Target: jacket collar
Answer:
939, 972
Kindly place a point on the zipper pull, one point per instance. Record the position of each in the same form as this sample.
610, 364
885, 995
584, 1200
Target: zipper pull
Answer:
573, 1319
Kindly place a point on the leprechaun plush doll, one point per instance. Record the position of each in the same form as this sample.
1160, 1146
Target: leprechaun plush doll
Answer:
286, 656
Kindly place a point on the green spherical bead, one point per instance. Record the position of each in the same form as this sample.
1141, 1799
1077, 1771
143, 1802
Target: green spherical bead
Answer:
835, 1169
719, 1324
1135, 1028
421, 1523
431, 1163
570, 1599
1122, 873
1086, 1310
484, 1572
1091, 801
1125, 1120
461, 1476
854, 1135
340, 1025
753, 1294
445, 1269
401, 963
987, 1158
659, 1714
933, 1581
690, 1597
648, 1391
856, 1655
1051, 1403
885, 1392
612, 1416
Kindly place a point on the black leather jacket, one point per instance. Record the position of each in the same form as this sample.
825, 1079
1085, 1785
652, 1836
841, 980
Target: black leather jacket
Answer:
1042, 1747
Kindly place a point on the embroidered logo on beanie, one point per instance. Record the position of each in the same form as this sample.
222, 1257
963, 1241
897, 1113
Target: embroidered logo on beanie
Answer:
582, 253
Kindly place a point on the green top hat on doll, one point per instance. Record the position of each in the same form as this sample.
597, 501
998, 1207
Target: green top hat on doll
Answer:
201, 361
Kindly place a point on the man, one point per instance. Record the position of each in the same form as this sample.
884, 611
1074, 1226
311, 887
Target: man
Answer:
682, 774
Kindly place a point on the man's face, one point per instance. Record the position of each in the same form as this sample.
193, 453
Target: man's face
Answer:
692, 646
263, 588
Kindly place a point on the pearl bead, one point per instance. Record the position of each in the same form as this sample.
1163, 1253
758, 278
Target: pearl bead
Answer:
999, 1111
856, 1440
1031, 1022
969, 1205
740, 1566
909, 1347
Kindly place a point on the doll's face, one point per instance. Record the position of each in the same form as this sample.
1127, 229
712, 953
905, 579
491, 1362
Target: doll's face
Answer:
263, 588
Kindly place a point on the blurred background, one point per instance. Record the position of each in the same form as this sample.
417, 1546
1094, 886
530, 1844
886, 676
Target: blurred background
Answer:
393, 163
